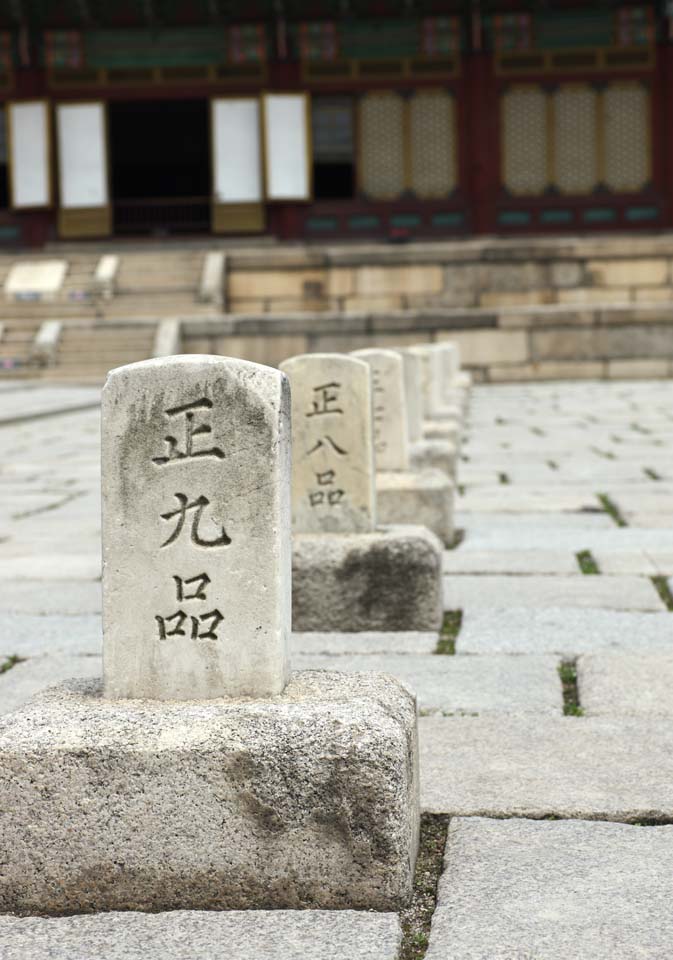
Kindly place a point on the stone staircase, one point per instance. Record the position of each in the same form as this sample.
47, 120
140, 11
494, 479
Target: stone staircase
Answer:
15, 346
86, 352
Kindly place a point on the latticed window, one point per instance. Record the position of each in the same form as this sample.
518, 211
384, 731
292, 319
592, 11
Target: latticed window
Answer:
407, 145
576, 138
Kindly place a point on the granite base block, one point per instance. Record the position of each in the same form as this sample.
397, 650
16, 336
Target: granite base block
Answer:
389, 580
424, 498
306, 800
449, 431
434, 455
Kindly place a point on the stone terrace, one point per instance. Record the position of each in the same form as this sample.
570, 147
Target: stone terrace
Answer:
546, 737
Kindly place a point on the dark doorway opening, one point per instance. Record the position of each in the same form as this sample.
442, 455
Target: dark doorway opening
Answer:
160, 166
333, 160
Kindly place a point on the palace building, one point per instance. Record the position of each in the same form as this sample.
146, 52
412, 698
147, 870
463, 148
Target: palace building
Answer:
343, 119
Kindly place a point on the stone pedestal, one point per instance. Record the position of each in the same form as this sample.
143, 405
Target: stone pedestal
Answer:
388, 580
435, 455
422, 498
307, 799
446, 430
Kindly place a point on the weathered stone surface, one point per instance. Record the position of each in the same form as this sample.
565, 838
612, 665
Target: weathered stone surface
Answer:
196, 529
521, 889
579, 767
434, 455
612, 593
332, 452
423, 498
205, 935
387, 580
219, 804
361, 644
389, 409
462, 685
626, 684
567, 631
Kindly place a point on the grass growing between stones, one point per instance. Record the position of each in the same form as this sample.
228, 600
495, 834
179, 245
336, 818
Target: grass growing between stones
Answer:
567, 671
453, 621
587, 562
503, 478
10, 662
652, 474
611, 509
662, 588
416, 919
458, 537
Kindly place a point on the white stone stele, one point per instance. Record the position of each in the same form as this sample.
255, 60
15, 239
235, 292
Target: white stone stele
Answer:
196, 529
333, 455
39, 279
432, 374
413, 393
391, 427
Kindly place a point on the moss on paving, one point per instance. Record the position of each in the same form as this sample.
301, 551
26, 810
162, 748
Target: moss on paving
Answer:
587, 562
446, 644
662, 588
571, 703
652, 474
10, 662
417, 917
611, 509
458, 537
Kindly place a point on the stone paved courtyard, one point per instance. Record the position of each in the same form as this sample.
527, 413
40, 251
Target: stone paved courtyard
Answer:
545, 720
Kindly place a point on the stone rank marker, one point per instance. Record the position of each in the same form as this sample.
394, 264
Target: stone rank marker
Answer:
391, 427
333, 463
196, 529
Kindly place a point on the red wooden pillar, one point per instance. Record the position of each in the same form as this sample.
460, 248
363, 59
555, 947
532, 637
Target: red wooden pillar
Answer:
481, 131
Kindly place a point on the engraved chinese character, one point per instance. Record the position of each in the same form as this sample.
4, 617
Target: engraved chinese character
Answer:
211, 621
198, 506
324, 400
199, 593
325, 441
177, 630
192, 429
331, 498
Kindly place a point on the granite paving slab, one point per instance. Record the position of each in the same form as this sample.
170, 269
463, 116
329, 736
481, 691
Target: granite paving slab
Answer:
348, 644
204, 935
48, 597
525, 890
28, 635
462, 685
614, 593
614, 685
29, 677
463, 560
512, 499
51, 566
566, 631
475, 522
597, 768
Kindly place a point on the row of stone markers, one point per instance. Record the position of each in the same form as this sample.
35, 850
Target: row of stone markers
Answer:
201, 773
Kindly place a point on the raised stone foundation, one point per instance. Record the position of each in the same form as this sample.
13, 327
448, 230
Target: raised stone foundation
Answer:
220, 804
